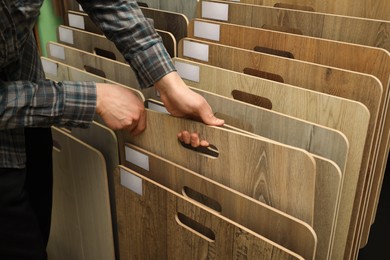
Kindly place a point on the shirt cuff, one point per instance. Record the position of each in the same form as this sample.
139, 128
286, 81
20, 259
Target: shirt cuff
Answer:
79, 103
152, 64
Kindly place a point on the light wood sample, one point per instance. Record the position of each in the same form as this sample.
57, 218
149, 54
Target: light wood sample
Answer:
258, 217
359, 8
81, 221
156, 223
223, 82
187, 7
247, 164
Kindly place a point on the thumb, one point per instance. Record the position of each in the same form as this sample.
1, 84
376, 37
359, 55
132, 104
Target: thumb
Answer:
209, 118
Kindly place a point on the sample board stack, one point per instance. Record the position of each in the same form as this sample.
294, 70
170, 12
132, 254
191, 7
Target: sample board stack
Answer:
296, 171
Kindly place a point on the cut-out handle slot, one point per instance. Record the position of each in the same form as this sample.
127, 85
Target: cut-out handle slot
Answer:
195, 227
295, 7
263, 74
104, 53
252, 99
209, 151
95, 71
203, 199
275, 52
282, 29
142, 4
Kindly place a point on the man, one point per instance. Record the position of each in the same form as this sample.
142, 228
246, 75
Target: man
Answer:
29, 105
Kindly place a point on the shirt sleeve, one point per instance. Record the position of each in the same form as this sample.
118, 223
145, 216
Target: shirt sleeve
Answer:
135, 37
46, 103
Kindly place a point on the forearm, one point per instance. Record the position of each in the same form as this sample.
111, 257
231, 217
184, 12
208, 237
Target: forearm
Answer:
135, 37
46, 103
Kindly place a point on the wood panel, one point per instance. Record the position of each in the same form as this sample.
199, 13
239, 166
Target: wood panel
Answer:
224, 82
291, 45
360, 8
321, 25
188, 7
244, 163
80, 191
159, 224
258, 217
87, 25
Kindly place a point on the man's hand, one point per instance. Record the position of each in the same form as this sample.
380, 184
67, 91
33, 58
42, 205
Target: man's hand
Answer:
181, 101
120, 108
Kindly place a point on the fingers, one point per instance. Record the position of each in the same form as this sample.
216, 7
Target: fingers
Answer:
207, 116
141, 125
192, 139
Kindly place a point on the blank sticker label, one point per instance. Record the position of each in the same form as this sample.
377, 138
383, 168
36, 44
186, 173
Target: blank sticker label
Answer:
215, 11
196, 50
131, 181
50, 68
66, 35
188, 71
76, 21
57, 51
207, 30
137, 158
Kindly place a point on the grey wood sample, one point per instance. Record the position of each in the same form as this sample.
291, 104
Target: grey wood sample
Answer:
80, 191
155, 223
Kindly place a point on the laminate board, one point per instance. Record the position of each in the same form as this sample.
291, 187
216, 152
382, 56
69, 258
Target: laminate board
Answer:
93, 63
284, 99
321, 25
244, 163
188, 7
156, 223
258, 217
289, 45
81, 21
360, 8
80, 191
100, 45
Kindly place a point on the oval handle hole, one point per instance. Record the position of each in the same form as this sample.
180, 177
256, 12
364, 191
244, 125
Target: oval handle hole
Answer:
195, 227
295, 7
203, 199
282, 29
142, 4
252, 99
209, 151
263, 75
275, 52
104, 53
95, 71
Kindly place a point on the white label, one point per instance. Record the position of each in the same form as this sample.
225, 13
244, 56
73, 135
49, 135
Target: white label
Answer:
131, 181
49, 67
137, 158
215, 11
57, 51
156, 107
207, 30
76, 21
66, 35
81, 8
196, 50
188, 71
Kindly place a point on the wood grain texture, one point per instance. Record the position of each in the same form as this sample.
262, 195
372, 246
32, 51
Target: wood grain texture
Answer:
188, 7
167, 37
151, 229
258, 217
81, 59
250, 165
366, 9
274, 126
321, 25
80, 191
252, 37
223, 82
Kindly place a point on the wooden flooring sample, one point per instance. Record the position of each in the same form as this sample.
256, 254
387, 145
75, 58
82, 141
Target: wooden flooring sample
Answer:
258, 217
250, 165
187, 7
358, 8
156, 223
223, 82
80, 191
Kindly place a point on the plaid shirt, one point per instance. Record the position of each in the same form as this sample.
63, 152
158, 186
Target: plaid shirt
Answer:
28, 100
